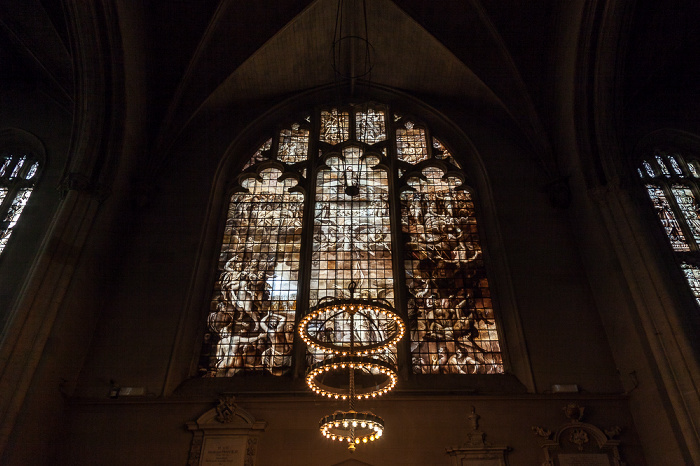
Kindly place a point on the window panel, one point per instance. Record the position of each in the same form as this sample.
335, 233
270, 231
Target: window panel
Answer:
449, 307
667, 218
294, 145
251, 326
12, 215
689, 207
335, 126
410, 144
692, 274
369, 126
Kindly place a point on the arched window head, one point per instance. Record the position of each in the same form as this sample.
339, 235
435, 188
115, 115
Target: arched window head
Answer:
359, 194
672, 182
18, 173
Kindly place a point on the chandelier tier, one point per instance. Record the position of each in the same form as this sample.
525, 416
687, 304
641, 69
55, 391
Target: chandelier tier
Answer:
380, 327
352, 427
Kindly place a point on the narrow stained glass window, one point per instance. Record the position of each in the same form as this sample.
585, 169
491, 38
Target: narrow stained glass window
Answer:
17, 177
686, 202
364, 218
662, 165
12, 215
674, 165
452, 322
253, 309
649, 169
668, 218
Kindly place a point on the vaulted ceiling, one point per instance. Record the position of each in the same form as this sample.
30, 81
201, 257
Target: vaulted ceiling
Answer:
515, 62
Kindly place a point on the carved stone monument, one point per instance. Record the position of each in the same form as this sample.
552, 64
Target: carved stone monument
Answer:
578, 443
226, 435
476, 451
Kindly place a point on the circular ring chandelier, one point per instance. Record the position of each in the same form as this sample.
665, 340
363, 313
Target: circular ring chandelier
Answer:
352, 427
372, 377
380, 326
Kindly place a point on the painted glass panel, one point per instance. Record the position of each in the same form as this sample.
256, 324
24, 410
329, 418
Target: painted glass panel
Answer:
251, 324
369, 126
294, 145
260, 155
692, 167
335, 126
441, 153
667, 218
352, 241
449, 302
662, 165
32, 171
13, 213
365, 218
692, 274
649, 169
686, 202
675, 166
4, 169
410, 144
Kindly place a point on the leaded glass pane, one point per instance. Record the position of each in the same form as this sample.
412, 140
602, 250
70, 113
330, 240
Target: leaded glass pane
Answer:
686, 202
352, 240
662, 165
251, 324
443, 154
294, 145
3, 195
410, 144
260, 155
7, 160
32, 171
692, 274
675, 166
639, 170
692, 166
648, 168
13, 213
335, 126
365, 218
667, 218
369, 126
18, 167
449, 305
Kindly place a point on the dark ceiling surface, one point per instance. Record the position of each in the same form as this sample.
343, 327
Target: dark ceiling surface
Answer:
509, 56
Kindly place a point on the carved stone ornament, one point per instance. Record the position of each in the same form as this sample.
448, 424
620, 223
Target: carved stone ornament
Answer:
226, 409
577, 442
476, 449
226, 434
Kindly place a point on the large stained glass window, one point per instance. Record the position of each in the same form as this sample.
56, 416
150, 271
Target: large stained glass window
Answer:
18, 174
671, 182
431, 256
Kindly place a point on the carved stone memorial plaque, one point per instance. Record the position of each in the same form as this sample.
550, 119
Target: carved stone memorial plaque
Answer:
225, 436
584, 459
223, 451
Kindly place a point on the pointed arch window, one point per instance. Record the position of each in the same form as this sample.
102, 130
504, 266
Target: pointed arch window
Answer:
415, 244
18, 173
672, 182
